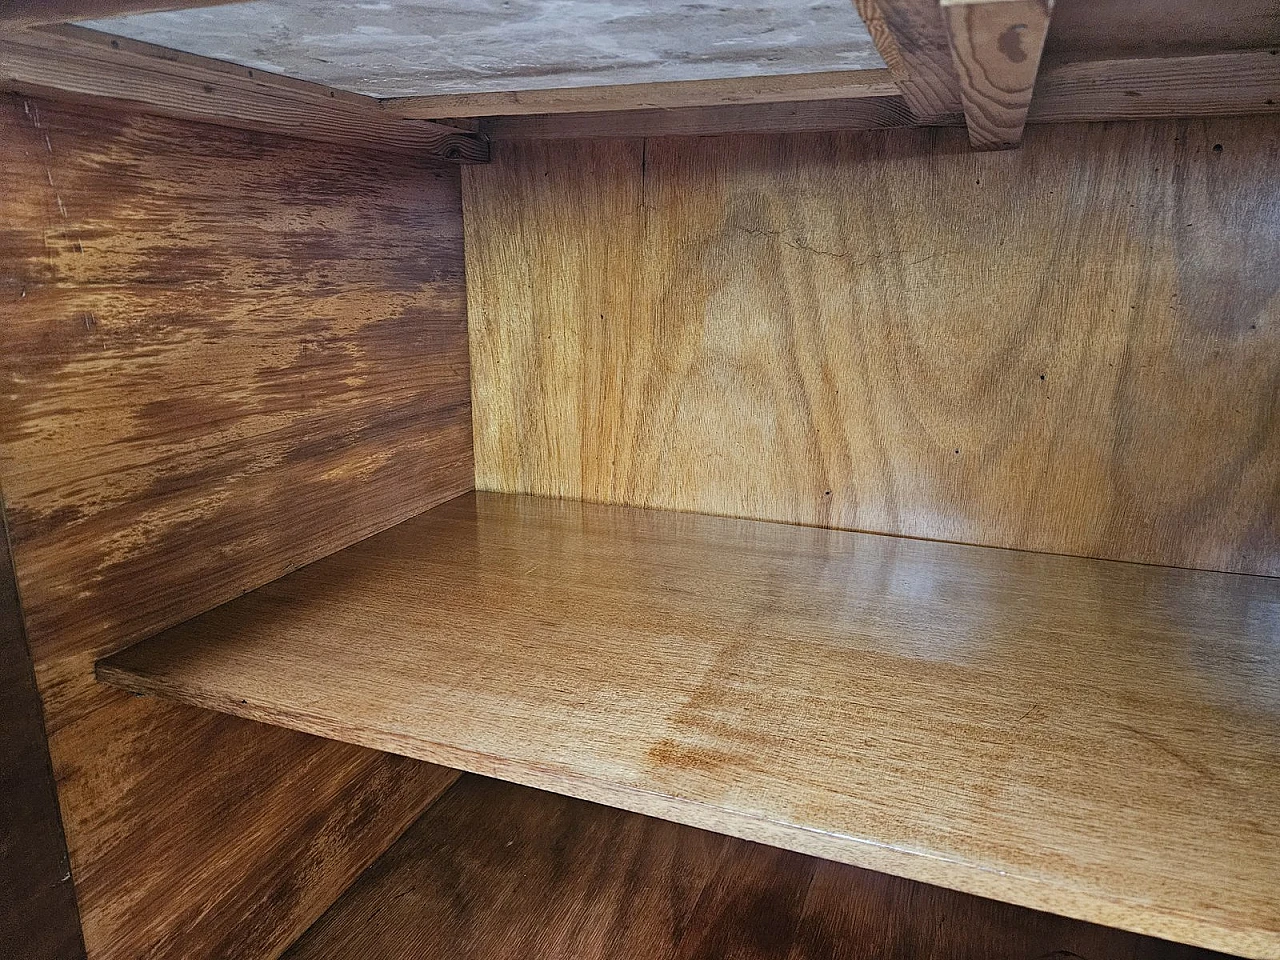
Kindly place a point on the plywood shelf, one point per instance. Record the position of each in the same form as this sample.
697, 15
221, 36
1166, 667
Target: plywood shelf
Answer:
494, 871
1095, 739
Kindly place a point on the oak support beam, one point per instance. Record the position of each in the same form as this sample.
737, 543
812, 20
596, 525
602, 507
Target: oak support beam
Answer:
996, 45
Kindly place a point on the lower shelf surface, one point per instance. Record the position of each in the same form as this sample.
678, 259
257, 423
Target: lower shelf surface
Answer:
1096, 739
495, 871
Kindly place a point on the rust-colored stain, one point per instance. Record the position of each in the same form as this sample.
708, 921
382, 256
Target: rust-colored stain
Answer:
683, 756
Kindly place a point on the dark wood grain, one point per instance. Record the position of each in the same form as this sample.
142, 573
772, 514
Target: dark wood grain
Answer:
498, 872
867, 113
28, 12
226, 354
38, 915
1098, 29
1074, 347
1097, 739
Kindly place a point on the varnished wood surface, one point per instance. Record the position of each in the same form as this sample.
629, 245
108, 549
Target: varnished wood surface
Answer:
1095, 739
832, 85
116, 73
494, 871
225, 355
1073, 348
996, 45
38, 915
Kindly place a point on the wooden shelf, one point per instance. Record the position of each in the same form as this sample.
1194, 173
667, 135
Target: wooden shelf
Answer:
494, 871
1095, 739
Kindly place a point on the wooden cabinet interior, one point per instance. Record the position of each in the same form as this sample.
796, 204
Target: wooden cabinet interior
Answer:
494, 871
239, 354
1092, 738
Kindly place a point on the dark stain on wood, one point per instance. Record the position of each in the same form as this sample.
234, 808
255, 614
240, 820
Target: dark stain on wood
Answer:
226, 355
494, 871
38, 915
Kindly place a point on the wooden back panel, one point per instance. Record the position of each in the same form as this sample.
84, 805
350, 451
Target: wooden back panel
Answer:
225, 355
1072, 348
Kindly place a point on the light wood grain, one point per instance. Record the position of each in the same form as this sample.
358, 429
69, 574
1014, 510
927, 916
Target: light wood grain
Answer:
911, 36
225, 355
74, 63
1220, 84
494, 871
867, 113
1099, 740
829, 85
996, 45
1074, 349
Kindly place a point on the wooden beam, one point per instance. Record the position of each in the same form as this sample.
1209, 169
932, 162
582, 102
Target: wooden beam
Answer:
74, 63
783, 88
1225, 84
997, 46
1218, 84
29, 13
869, 113
911, 36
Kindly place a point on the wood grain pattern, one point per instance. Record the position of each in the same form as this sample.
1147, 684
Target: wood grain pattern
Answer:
1229, 84
75, 63
830, 85
1220, 84
38, 916
498, 872
1103, 29
753, 326
1095, 739
996, 45
867, 113
226, 354
911, 36
25, 13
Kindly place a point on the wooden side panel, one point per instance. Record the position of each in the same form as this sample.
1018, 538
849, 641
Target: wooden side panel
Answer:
38, 916
1072, 349
225, 356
